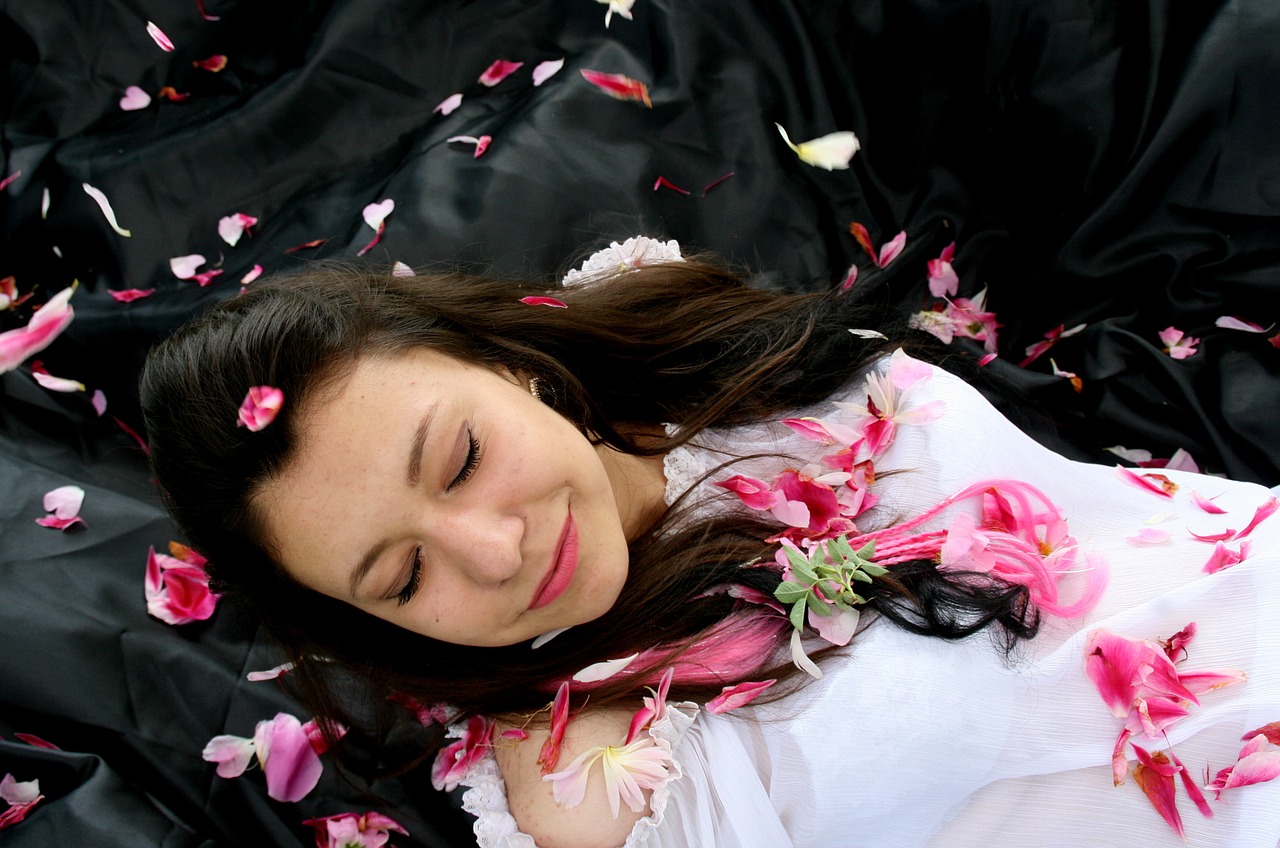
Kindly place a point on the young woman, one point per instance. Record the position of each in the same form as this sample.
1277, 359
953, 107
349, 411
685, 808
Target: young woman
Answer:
689, 563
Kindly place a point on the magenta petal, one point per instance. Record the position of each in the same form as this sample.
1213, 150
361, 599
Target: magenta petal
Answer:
292, 769
546, 70
498, 71
1259, 767
130, 295
618, 86
134, 99
59, 523
1142, 481
260, 407
1206, 504
732, 697
158, 36
1262, 514
64, 501
544, 301
889, 250
1154, 774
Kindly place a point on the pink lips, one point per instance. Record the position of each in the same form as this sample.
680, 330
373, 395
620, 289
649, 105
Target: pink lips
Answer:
563, 569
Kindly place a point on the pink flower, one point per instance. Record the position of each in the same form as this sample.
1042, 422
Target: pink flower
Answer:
287, 750
349, 830
45, 326
628, 771
260, 407
811, 509
1255, 764
738, 695
63, 504
971, 320
622, 7
498, 71
454, 761
177, 591
887, 408
1177, 344
943, 281
652, 708
21, 798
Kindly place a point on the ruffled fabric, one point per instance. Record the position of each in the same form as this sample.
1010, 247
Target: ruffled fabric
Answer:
620, 258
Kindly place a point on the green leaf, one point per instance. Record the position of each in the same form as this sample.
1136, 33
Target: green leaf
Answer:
820, 607
868, 550
797, 614
788, 592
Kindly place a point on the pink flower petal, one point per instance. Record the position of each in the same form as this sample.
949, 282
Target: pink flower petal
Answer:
546, 70
1231, 323
716, 182
756, 494
105, 206
204, 14
233, 226
738, 695
1206, 504
1120, 763
618, 86
292, 768
231, 753
663, 182
1214, 537
850, 277
159, 37
37, 742
603, 670
269, 674
1157, 484
1260, 515
213, 64
7, 181
889, 250
55, 384
204, 278
134, 99
130, 295
254, 273
46, 325
376, 213
172, 94
1182, 461
1223, 558
544, 301
1258, 767
260, 407
399, 269
1149, 536
498, 71
482, 143
185, 267
1154, 775
52, 521
446, 106
549, 756
987, 359
64, 501
99, 402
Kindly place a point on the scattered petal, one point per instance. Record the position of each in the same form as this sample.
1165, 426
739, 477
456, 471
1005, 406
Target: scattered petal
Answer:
270, 674
184, 267
869, 334
134, 99
7, 181
943, 280
716, 182
498, 71
515, 733
177, 592
99, 401
292, 766
1159, 518
1206, 504
173, 95
446, 106
44, 205
732, 697
1154, 775
260, 407
235, 225
987, 359
850, 277
46, 325
105, 206
546, 70
1157, 484
889, 250
1223, 557
213, 64
603, 670
1177, 344
1261, 514
623, 8
831, 152
801, 659
549, 756
399, 269
1231, 323
1134, 455
204, 14
375, 214
159, 37
348, 830
254, 273
231, 753
544, 301
1069, 376
52, 383
130, 295
1149, 536
306, 245
204, 278
37, 742
481, 142
664, 182
64, 501
618, 86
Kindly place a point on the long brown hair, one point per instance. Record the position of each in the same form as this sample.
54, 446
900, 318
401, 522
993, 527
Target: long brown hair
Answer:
684, 343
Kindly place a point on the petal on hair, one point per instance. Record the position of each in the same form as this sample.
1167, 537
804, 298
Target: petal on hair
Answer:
801, 659
105, 206
260, 406
738, 695
498, 71
544, 71
544, 301
868, 334
548, 636
604, 670
549, 756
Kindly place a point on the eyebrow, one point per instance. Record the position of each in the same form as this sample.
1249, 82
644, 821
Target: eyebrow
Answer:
412, 473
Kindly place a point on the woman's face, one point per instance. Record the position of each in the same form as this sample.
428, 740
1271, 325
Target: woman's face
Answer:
442, 497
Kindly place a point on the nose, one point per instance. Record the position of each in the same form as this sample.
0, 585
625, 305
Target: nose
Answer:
484, 545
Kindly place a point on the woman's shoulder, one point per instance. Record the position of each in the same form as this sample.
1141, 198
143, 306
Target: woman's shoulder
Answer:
532, 801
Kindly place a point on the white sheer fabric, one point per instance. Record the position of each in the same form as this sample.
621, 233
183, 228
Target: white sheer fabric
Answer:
913, 741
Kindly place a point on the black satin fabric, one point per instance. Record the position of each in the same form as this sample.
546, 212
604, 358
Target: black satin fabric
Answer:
1109, 163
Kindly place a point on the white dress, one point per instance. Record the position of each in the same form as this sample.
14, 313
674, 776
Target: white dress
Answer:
916, 741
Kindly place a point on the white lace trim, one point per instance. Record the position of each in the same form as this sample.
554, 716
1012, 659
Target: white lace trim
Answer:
486, 795
617, 258
682, 467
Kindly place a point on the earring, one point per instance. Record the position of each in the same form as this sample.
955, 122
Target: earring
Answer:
533, 388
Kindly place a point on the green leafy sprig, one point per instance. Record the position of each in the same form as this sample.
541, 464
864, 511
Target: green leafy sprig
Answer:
825, 578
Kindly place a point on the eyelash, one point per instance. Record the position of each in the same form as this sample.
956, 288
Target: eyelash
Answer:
415, 574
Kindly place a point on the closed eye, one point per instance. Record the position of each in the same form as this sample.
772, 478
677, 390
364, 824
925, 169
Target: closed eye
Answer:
469, 464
